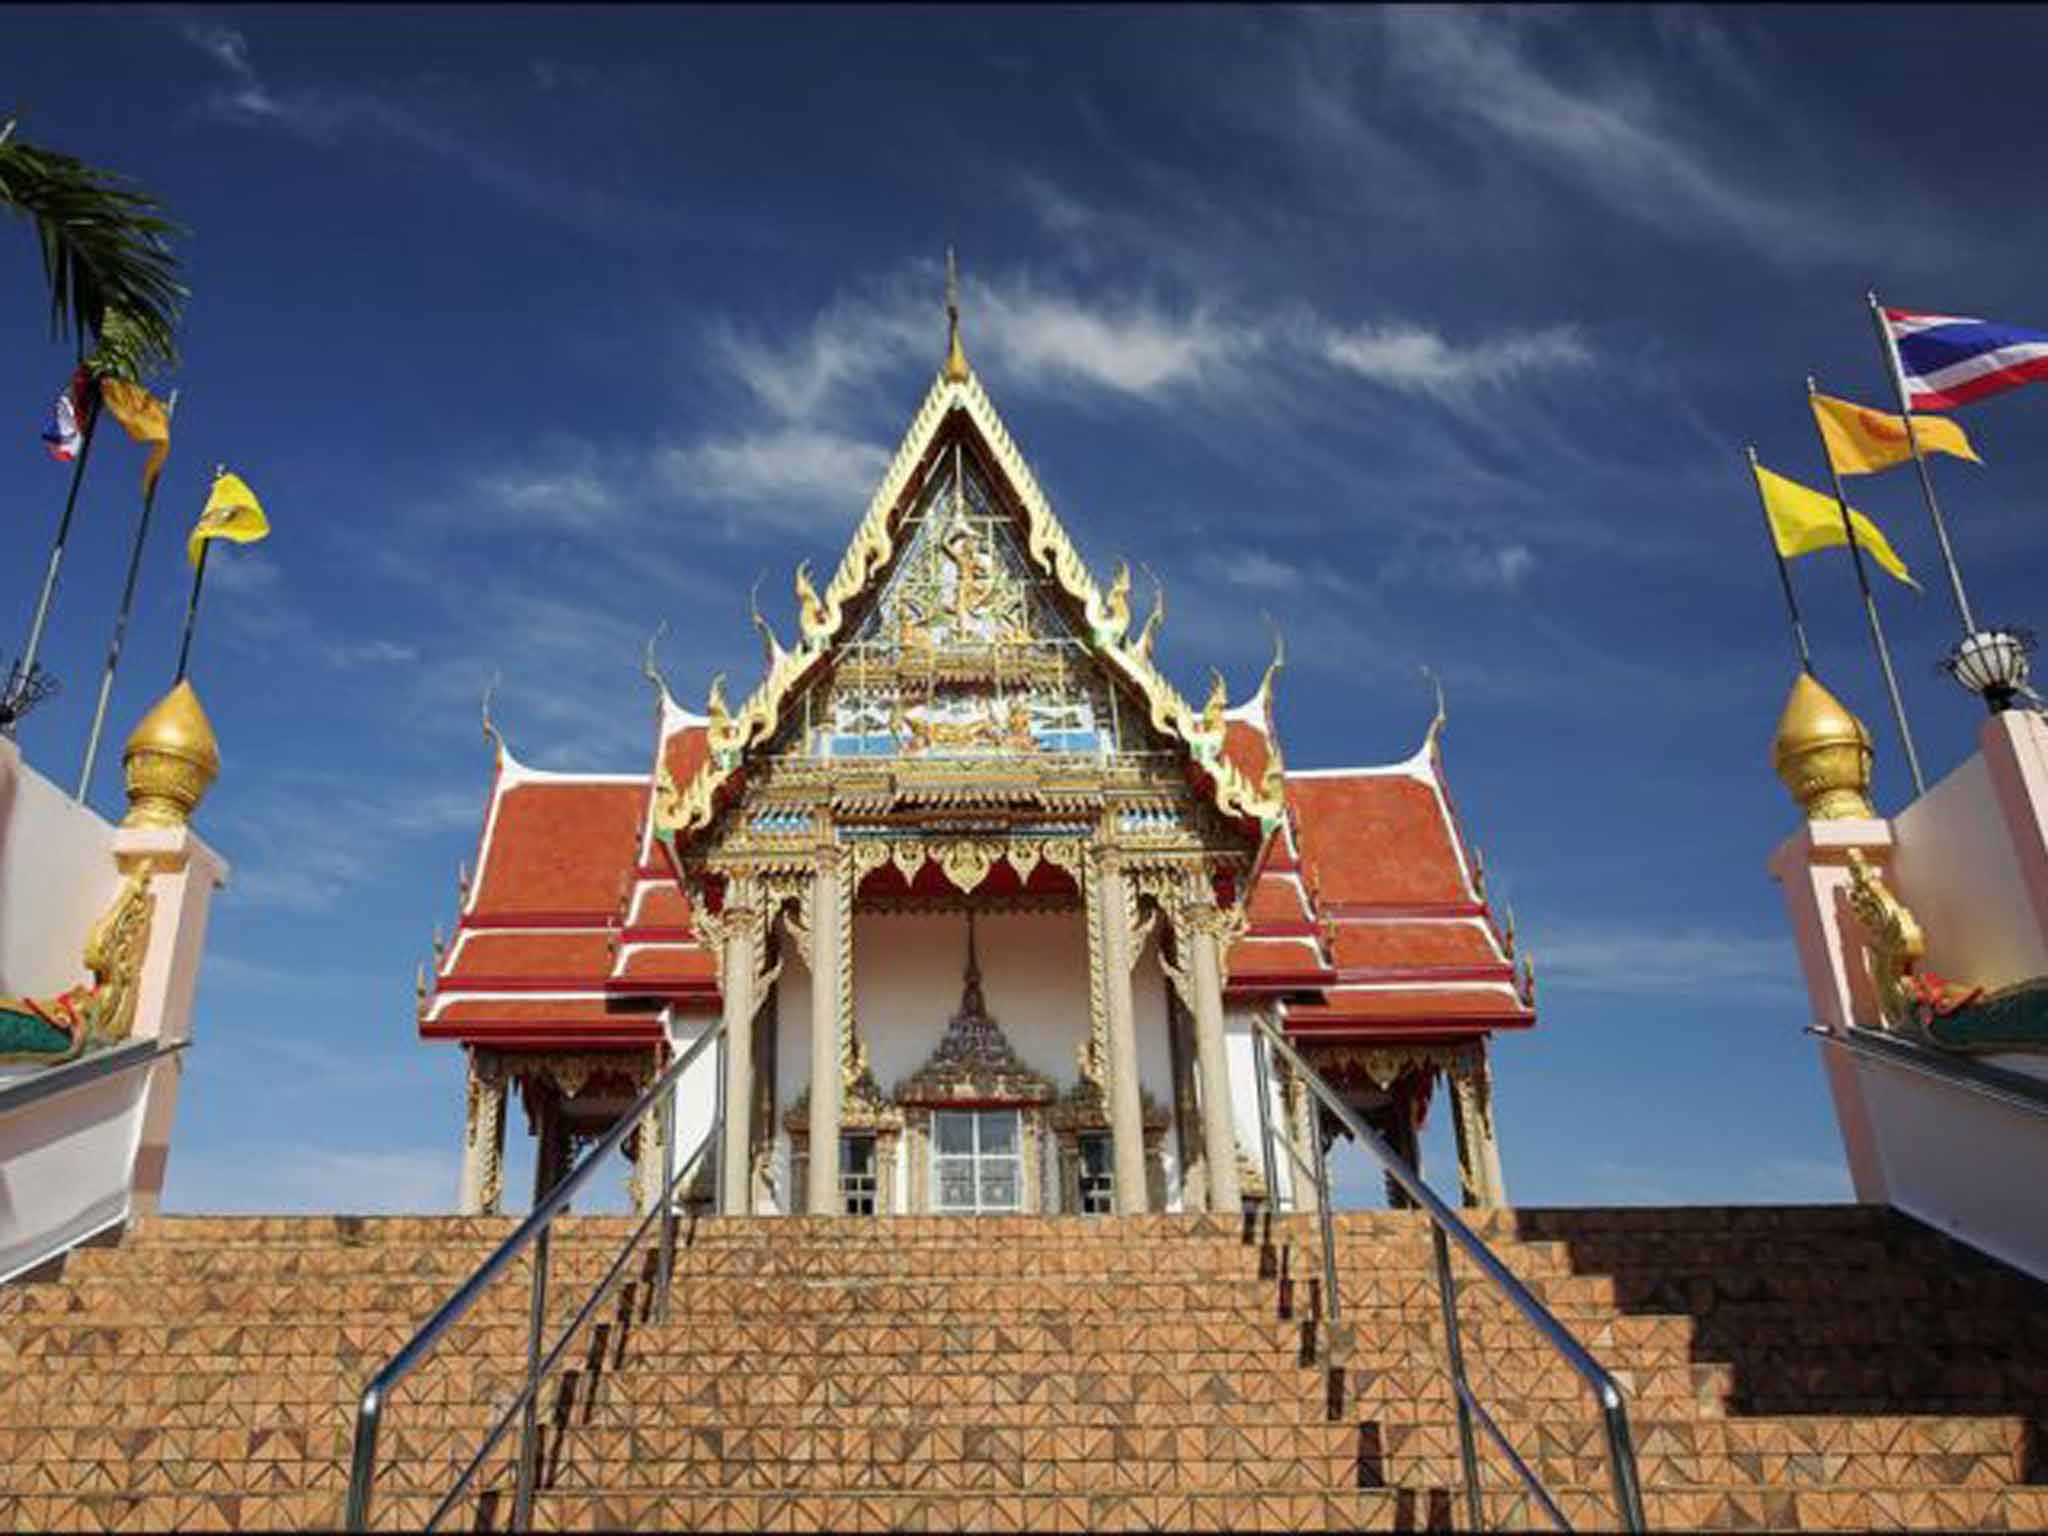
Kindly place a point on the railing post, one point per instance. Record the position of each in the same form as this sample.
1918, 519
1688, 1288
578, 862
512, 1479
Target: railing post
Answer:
1263, 1083
718, 1128
1325, 1200
529, 1430
1621, 1458
1468, 1452
669, 1176
362, 1471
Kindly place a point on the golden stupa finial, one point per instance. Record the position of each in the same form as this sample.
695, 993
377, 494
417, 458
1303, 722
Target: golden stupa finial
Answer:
956, 355
1822, 754
170, 761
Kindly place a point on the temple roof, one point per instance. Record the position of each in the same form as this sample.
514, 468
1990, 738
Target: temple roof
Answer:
1376, 861
1364, 913
957, 409
1366, 920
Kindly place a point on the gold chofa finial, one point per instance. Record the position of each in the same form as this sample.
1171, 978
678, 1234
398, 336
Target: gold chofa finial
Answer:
956, 355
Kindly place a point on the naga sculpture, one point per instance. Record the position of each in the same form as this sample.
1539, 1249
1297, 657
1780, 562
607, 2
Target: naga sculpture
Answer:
1919, 1005
94, 1014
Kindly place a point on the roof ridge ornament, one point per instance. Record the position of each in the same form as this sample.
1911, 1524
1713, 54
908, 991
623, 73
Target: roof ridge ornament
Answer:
956, 371
771, 647
1142, 646
1436, 725
650, 668
492, 734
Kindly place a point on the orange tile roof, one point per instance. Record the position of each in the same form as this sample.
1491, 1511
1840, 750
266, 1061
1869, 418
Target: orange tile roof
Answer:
1247, 749
519, 954
558, 847
1413, 1006
1452, 942
670, 965
1382, 838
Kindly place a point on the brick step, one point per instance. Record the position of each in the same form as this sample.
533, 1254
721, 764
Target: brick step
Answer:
860, 1347
1715, 1509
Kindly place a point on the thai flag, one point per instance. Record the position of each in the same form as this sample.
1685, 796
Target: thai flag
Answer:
64, 432
1948, 360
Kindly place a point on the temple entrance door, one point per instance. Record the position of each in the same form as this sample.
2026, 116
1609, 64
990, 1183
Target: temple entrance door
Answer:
977, 1165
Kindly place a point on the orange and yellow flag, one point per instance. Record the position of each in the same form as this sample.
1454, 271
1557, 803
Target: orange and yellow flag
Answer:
1862, 441
146, 419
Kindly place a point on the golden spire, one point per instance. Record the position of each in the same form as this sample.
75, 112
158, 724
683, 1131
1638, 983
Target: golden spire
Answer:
171, 761
956, 355
1822, 753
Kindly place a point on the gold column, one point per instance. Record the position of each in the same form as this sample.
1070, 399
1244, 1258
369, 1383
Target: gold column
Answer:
1126, 1112
1201, 925
1479, 1175
483, 1142
740, 928
830, 959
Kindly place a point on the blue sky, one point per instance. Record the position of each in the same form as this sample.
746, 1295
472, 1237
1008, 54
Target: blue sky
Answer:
1435, 333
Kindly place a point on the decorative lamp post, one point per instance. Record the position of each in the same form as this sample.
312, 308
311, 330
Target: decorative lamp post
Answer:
1992, 663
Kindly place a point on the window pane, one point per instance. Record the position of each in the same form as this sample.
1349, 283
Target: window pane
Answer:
954, 1131
956, 1184
999, 1132
856, 1155
998, 1184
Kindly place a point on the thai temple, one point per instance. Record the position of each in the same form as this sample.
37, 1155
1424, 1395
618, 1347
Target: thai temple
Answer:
972, 1013
985, 904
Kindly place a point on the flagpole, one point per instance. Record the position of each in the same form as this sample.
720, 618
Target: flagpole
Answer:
99, 714
35, 632
1877, 640
1948, 555
1784, 574
192, 613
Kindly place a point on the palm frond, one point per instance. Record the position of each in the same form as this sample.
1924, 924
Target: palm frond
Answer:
106, 252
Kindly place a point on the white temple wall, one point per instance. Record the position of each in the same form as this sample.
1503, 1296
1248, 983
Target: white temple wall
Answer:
697, 1092
908, 970
1244, 1100
57, 876
1955, 865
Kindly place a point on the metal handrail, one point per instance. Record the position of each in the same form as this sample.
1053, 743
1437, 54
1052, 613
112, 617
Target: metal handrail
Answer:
81, 1071
533, 1232
1446, 1228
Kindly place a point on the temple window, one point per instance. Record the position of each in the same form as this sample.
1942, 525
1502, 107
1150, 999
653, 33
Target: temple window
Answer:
857, 1177
976, 1161
1097, 1174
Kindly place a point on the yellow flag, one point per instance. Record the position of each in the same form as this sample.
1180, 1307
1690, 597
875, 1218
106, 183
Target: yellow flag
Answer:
232, 512
1862, 441
1803, 521
147, 420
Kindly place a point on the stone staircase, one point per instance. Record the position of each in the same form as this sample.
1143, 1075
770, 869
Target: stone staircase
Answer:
1824, 1368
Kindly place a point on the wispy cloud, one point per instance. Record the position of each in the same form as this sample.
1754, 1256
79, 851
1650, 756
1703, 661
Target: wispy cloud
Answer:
1601, 126
787, 477
263, 1179
287, 860
1419, 360
531, 171
1636, 961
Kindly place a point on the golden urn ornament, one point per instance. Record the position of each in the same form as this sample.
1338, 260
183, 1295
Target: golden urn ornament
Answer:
1822, 753
171, 761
